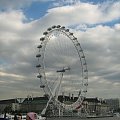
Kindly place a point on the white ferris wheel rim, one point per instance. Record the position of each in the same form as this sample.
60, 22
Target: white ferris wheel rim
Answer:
41, 67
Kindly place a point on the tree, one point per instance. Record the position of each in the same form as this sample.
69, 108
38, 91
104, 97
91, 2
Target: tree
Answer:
7, 109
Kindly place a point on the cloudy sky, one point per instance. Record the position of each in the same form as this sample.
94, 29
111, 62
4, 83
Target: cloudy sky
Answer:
96, 24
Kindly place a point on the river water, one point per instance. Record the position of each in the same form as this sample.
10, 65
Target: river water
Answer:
69, 118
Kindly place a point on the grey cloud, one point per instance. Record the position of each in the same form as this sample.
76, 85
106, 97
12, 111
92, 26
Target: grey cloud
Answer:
114, 77
100, 45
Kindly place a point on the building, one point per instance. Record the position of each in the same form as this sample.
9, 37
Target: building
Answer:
37, 104
95, 106
8, 105
114, 103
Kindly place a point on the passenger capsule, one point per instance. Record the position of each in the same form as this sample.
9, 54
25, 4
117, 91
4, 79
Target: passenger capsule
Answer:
42, 39
49, 29
53, 26
45, 33
42, 86
85, 91
74, 38
58, 26
63, 27
39, 76
60, 70
85, 70
39, 46
37, 66
70, 33
38, 55
78, 44
67, 30
83, 56
86, 77
81, 50
86, 84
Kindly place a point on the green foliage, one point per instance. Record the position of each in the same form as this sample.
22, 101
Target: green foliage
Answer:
7, 109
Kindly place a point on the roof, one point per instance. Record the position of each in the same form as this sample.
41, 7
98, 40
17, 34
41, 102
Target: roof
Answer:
92, 100
35, 100
9, 101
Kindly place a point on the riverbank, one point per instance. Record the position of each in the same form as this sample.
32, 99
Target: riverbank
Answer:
77, 118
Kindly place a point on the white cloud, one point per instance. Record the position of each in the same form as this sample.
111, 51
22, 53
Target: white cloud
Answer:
111, 11
84, 13
11, 75
66, 2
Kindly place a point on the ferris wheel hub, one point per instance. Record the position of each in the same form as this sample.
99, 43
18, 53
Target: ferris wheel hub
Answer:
64, 69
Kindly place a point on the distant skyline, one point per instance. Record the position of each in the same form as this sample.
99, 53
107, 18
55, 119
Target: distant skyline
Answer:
96, 24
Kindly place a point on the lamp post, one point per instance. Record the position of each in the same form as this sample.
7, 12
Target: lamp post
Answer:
29, 100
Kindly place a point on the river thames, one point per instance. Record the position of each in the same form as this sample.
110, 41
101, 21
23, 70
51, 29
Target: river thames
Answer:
69, 118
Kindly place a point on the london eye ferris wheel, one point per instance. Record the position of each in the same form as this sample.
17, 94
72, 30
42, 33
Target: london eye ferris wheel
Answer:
62, 67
